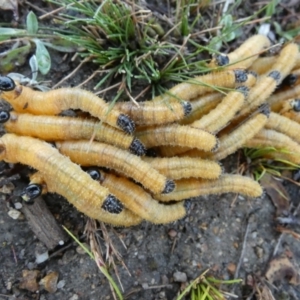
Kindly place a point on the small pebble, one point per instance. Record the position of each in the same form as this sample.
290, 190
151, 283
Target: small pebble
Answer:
14, 214
180, 277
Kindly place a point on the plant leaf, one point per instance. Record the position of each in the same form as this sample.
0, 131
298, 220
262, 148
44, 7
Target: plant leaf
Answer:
43, 57
32, 24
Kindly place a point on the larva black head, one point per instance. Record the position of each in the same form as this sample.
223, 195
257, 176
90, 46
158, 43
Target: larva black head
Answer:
4, 116
222, 60
187, 107
243, 89
296, 105
240, 76
126, 124
137, 147
275, 75
112, 205
6, 84
265, 109
169, 187
95, 174
31, 192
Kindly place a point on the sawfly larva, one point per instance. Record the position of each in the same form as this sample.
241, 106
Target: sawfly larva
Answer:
185, 167
244, 56
66, 178
178, 135
290, 105
25, 100
266, 84
188, 188
284, 125
56, 128
200, 85
136, 199
220, 116
89, 154
155, 113
288, 149
231, 142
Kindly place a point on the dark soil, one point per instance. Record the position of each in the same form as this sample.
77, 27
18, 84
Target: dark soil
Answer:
211, 236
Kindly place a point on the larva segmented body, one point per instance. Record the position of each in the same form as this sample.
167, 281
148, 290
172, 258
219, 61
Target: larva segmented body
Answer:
136, 199
217, 118
178, 135
267, 83
284, 125
203, 84
25, 100
237, 138
55, 128
185, 167
64, 177
279, 141
155, 113
245, 55
189, 188
103, 155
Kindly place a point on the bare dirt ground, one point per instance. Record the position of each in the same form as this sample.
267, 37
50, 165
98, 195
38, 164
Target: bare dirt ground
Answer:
211, 236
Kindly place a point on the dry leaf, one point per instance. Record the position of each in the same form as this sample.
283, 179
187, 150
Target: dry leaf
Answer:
281, 268
49, 282
277, 193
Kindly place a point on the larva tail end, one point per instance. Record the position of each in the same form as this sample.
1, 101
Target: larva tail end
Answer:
31, 192
222, 60
126, 124
265, 109
243, 89
6, 84
4, 116
253, 73
137, 147
187, 108
169, 187
216, 147
275, 75
240, 76
112, 205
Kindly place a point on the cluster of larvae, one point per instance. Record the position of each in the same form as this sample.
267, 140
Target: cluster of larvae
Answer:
190, 129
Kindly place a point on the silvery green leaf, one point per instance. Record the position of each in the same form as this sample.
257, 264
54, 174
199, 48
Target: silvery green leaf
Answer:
42, 56
32, 23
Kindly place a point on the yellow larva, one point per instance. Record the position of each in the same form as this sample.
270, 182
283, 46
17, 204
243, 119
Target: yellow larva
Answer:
246, 54
263, 64
189, 188
203, 84
217, 118
103, 155
178, 135
272, 138
266, 84
25, 100
66, 178
284, 125
290, 105
55, 128
185, 167
237, 138
155, 113
136, 199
